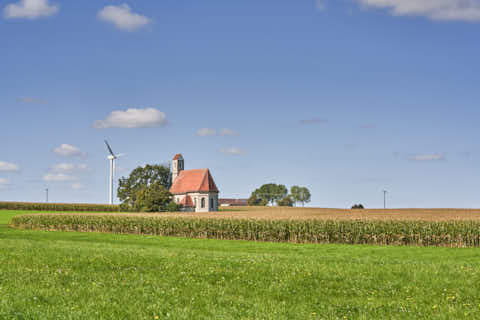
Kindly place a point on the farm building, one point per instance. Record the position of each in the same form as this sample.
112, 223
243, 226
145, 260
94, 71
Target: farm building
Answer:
232, 202
194, 189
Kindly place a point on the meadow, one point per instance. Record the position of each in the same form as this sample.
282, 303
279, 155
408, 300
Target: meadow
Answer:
73, 275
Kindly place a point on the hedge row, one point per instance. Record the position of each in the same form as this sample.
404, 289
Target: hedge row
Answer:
39, 206
419, 233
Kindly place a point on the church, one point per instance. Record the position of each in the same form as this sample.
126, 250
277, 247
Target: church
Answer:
194, 189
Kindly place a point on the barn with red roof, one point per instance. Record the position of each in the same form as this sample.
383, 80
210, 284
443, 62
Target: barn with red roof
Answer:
194, 189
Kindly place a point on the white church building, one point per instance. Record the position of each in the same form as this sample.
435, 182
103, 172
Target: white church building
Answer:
194, 189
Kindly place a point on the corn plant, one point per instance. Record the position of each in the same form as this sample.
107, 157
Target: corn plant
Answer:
417, 233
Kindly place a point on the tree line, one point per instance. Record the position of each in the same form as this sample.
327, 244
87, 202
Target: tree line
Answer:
146, 189
272, 194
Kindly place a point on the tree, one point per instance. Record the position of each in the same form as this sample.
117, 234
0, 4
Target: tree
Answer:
141, 178
358, 206
254, 200
272, 192
300, 194
295, 193
286, 202
154, 198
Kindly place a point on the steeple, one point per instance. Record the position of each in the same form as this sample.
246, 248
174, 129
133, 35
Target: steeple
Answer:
177, 166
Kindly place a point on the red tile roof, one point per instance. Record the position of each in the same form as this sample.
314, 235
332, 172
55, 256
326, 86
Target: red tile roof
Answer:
186, 201
233, 202
177, 156
197, 180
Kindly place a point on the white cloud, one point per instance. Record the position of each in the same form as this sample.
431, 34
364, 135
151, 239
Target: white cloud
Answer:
63, 167
82, 167
123, 17
233, 151
133, 118
427, 157
9, 167
67, 150
321, 4
461, 10
78, 186
228, 132
58, 177
69, 167
30, 9
4, 183
206, 132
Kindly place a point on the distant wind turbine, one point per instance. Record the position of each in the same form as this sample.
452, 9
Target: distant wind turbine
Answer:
112, 157
385, 199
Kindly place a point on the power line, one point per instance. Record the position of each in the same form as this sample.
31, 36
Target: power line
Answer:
385, 199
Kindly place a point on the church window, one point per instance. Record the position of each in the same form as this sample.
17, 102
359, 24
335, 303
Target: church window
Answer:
203, 203
211, 203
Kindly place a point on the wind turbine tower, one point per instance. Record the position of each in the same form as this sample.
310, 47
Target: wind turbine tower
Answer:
385, 199
111, 157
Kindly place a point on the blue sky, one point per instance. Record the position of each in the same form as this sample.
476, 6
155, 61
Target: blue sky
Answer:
345, 97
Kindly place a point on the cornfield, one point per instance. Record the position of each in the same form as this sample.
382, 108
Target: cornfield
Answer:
58, 206
415, 233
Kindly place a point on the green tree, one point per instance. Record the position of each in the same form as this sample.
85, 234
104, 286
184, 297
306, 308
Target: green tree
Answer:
295, 193
255, 200
172, 206
154, 198
141, 178
304, 196
286, 202
300, 194
271, 192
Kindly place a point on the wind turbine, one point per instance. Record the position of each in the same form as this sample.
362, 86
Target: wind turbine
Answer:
112, 157
385, 199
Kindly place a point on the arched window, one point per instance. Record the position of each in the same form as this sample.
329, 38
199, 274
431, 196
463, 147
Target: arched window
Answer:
211, 203
203, 203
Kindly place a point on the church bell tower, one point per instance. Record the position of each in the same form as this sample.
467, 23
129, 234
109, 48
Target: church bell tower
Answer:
177, 166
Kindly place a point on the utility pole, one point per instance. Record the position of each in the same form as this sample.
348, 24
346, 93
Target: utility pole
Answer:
384, 199
46, 190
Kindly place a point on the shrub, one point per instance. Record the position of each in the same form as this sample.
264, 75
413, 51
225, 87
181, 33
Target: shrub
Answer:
286, 202
172, 206
254, 200
358, 206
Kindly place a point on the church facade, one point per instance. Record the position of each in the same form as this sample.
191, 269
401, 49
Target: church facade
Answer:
194, 189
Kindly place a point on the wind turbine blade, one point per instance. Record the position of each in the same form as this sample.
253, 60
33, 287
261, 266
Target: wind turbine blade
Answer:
109, 149
120, 155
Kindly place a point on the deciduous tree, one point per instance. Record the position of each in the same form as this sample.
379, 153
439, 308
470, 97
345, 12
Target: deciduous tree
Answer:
286, 202
154, 198
300, 194
141, 178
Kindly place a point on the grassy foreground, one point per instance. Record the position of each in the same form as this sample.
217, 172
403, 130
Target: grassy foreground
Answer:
59, 275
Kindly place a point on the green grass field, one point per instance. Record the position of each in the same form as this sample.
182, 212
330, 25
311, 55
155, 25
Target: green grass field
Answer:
58, 275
